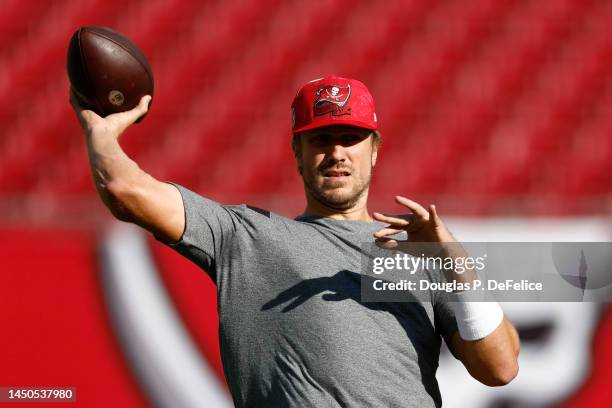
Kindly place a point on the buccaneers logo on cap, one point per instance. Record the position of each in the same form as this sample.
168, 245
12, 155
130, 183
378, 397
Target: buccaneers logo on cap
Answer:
332, 99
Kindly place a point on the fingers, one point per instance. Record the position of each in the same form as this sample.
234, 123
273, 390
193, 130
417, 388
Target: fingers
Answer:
415, 207
412, 223
433, 216
386, 243
383, 232
397, 224
397, 221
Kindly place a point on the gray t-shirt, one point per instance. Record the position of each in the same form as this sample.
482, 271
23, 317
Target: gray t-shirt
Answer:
292, 328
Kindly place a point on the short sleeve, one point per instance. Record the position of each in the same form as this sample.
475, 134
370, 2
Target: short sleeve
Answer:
209, 227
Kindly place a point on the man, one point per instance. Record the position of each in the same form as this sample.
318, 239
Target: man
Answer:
293, 329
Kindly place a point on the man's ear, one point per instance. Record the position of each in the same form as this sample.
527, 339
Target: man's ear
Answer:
298, 161
297, 151
374, 156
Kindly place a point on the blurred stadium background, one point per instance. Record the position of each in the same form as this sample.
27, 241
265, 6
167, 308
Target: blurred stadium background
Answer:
500, 112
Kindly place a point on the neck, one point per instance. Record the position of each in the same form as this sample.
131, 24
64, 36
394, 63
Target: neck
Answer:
357, 212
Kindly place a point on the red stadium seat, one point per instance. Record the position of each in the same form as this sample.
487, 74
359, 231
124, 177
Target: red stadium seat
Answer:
458, 88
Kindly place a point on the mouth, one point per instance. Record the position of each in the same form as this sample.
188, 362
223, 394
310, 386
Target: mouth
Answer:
336, 174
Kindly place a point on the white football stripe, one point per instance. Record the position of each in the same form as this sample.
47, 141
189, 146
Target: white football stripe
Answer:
159, 348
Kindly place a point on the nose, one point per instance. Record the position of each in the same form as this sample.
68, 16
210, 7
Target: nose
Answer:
338, 152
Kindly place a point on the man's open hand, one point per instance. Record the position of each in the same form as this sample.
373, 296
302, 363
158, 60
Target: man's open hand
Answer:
421, 225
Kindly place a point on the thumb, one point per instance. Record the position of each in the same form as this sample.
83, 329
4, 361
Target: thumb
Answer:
140, 109
125, 119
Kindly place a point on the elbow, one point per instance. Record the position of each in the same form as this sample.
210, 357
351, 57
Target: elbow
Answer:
117, 196
502, 375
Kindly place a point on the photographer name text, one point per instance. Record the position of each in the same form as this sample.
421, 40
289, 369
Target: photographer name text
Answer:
477, 284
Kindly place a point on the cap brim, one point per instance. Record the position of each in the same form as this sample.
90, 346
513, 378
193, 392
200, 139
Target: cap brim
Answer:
325, 123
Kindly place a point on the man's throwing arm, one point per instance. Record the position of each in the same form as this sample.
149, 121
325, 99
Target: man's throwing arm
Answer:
130, 193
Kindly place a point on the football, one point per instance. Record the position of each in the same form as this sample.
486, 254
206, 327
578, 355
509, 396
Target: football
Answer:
108, 73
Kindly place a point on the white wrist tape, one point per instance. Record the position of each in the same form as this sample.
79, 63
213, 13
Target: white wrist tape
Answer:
476, 320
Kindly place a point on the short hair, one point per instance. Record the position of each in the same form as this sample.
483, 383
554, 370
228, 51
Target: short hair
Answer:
295, 141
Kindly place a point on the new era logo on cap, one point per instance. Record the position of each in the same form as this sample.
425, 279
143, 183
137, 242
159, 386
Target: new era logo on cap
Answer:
333, 100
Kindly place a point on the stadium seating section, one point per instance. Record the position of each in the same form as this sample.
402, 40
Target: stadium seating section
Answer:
486, 107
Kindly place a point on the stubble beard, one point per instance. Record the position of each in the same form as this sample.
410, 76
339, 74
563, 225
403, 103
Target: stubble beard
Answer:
329, 197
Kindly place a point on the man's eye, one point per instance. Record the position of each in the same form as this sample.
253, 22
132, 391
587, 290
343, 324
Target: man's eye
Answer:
351, 138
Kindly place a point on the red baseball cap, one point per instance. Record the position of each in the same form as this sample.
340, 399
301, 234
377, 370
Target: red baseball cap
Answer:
330, 101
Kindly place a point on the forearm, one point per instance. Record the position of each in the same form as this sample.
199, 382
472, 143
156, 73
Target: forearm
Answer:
115, 175
487, 343
491, 360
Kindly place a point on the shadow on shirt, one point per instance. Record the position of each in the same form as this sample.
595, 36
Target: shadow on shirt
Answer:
346, 285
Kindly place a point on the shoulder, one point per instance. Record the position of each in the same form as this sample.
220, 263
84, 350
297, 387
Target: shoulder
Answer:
248, 216
261, 216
